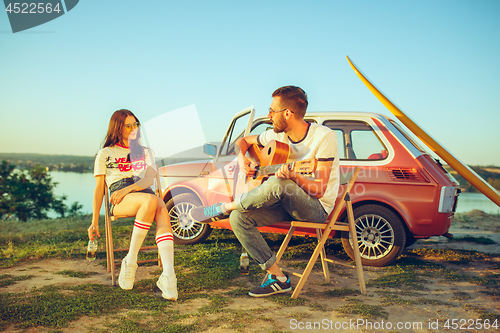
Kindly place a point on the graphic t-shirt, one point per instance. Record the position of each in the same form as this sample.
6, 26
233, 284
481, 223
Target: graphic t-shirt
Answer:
320, 143
115, 163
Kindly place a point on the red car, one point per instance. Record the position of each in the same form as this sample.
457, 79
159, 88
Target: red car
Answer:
401, 193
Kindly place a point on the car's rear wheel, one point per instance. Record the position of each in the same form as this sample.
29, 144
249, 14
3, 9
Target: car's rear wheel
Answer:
186, 231
381, 235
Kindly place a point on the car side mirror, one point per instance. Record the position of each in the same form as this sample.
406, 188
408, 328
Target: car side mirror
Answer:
210, 149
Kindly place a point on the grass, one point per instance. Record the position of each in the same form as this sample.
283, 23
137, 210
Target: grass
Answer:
356, 306
482, 312
461, 296
452, 256
284, 300
340, 292
217, 304
76, 274
209, 283
7, 279
53, 307
413, 273
61, 238
56, 238
470, 219
206, 267
472, 239
408, 274
200, 268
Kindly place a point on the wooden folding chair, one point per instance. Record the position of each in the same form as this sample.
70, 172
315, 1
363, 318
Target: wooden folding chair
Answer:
110, 250
323, 231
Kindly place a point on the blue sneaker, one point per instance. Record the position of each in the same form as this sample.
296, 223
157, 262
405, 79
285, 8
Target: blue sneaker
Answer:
272, 286
207, 214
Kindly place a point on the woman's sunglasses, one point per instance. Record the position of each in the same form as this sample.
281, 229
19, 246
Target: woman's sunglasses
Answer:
133, 126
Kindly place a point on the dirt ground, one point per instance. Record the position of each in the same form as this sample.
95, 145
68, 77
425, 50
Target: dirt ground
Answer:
420, 317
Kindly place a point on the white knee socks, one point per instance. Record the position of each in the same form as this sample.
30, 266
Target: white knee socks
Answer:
165, 244
138, 235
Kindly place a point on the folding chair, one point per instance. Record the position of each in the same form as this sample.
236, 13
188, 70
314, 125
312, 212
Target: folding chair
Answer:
323, 231
110, 250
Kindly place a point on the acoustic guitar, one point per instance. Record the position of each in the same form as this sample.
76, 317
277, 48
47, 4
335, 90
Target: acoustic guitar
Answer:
270, 159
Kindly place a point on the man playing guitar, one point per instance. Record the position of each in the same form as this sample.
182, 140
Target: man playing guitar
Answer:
287, 196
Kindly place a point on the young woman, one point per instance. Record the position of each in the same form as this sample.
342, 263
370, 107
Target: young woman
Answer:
129, 169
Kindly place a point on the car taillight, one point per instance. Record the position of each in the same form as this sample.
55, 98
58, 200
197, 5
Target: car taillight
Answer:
447, 199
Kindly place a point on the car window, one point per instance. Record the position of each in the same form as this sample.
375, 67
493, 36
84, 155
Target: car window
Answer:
340, 143
258, 128
357, 140
261, 128
236, 132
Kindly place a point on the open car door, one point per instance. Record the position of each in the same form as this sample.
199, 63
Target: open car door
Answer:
224, 163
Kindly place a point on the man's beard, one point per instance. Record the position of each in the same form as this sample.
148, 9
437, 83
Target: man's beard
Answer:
279, 125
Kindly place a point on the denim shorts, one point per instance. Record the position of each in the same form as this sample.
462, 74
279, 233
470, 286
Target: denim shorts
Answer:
122, 183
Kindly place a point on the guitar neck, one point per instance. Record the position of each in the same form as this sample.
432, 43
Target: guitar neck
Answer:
268, 170
307, 166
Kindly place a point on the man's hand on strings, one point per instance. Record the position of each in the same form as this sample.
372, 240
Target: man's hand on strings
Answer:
248, 167
285, 172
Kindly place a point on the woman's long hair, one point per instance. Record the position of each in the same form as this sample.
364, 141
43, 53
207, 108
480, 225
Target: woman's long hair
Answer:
114, 135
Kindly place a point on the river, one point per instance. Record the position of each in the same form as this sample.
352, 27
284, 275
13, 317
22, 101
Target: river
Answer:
80, 187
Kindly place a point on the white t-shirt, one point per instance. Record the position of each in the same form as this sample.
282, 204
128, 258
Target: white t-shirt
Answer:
114, 162
320, 143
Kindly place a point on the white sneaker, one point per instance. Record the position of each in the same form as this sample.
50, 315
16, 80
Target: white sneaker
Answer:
127, 275
168, 287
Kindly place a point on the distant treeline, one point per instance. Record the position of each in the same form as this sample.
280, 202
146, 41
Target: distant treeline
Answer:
66, 163
69, 163
489, 173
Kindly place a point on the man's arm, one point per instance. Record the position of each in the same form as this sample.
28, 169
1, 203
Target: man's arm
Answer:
247, 165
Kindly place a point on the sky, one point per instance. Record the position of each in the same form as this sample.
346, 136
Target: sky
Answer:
437, 60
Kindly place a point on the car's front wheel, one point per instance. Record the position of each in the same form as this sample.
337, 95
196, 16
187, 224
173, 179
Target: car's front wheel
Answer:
186, 231
381, 235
